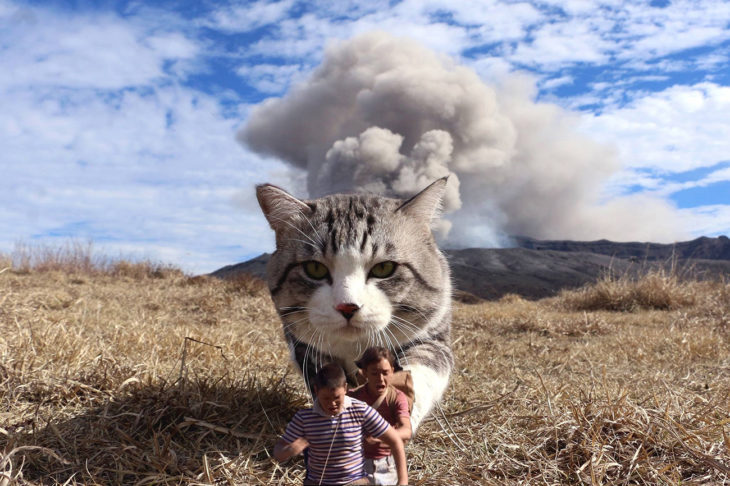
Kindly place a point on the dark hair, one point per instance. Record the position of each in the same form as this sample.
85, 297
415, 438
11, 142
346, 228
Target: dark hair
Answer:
374, 355
330, 376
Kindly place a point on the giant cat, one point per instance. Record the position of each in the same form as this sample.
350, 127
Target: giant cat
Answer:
356, 270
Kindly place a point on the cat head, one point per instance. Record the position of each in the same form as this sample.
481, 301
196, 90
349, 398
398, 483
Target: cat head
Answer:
356, 267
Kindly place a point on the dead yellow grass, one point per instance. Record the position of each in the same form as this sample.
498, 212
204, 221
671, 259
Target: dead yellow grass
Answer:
658, 288
147, 377
80, 258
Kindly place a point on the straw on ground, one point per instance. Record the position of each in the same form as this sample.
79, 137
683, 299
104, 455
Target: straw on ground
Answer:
595, 386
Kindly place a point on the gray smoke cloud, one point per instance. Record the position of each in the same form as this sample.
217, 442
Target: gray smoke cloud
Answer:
386, 115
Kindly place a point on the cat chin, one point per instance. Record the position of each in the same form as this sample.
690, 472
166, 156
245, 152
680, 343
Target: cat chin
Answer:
339, 332
351, 333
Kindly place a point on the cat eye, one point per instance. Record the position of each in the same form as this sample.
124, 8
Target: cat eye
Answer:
315, 270
382, 270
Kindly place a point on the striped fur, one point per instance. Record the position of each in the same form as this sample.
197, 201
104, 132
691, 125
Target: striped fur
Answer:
408, 311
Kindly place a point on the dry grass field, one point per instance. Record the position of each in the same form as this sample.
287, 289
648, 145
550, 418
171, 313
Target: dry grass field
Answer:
120, 373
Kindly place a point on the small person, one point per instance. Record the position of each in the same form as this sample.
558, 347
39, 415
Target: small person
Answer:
377, 365
333, 429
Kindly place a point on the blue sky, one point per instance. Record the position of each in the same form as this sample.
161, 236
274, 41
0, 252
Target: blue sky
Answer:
119, 118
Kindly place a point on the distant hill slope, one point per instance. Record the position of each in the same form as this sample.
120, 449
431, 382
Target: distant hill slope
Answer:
492, 273
702, 248
255, 266
542, 268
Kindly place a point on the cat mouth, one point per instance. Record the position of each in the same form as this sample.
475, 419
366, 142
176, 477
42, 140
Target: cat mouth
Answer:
349, 328
351, 332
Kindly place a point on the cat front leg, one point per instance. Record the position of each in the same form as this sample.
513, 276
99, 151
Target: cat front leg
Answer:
429, 386
430, 363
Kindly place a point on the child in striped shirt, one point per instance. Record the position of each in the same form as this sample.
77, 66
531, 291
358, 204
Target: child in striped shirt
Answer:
333, 429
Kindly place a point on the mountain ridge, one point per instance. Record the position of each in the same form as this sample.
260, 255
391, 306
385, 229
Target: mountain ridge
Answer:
703, 248
542, 268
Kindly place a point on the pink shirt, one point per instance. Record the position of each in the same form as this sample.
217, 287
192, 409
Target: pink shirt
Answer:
401, 410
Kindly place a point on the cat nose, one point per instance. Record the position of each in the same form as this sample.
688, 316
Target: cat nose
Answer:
347, 309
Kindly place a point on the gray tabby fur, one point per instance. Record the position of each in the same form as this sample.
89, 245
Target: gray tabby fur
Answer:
410, 311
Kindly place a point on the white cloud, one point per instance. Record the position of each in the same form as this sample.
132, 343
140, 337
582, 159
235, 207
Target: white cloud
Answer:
99, 52
720, 175
117, 171
488, 21
553, 83
714, 60
681, 25
595, 31
675, 130
556, 44
100, 140
711, 220
270, 78
244, 18
173, 46
306, 37
542, 35
101, 134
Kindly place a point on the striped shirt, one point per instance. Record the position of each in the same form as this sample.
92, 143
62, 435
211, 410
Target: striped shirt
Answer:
343, 433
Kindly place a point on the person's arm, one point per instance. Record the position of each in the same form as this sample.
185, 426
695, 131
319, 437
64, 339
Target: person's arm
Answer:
391, 437
402, 417
403, 427
283, 450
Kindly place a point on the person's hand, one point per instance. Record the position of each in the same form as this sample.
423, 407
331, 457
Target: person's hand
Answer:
299, 445
284, 450
372, 441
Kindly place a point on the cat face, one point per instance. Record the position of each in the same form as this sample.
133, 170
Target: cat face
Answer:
350, 299
355, 268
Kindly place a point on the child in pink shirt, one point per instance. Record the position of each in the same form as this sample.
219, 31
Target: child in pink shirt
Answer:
377, 365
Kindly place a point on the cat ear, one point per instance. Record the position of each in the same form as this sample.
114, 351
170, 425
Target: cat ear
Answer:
280, 208
426, 204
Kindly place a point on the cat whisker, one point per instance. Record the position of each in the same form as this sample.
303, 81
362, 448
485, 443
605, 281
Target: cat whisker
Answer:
291, 325
359, 343
288, 322
314, 231
283, 311
415, 310
289, 311
406, 324
287, 314
303, 364
411, 341
307, 354
394, 342
412, 310
289, 223
403, 324
360, 347
305, 243
319, 346
403, 328
451, 433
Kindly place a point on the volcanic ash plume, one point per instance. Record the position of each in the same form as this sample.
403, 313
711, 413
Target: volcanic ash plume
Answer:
386, 115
